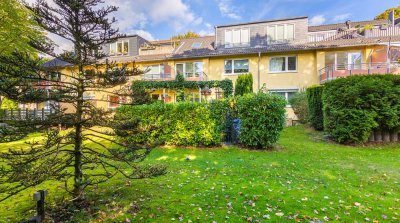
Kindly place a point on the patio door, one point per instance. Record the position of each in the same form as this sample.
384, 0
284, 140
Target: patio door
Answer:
354, 60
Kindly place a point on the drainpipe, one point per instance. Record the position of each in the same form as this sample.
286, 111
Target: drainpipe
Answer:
259, 58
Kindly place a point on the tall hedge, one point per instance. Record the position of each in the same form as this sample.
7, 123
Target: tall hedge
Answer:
186, 124
315, 106
244, 84
355, 106
262, 118
299, 104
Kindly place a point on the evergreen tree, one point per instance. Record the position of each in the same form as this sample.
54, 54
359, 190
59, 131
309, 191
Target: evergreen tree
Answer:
244, 84
89, 153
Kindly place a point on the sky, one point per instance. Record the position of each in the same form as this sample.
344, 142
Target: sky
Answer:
161, 19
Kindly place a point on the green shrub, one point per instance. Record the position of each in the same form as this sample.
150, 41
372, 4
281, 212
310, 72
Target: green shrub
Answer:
244, 84
186, 124
315, 107
355, 106
8, 104
262, 118
299, 104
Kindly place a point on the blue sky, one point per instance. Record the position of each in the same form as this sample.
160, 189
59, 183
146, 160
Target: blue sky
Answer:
160, 19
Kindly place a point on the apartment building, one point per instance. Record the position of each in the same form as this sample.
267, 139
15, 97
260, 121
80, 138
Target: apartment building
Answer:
283, 55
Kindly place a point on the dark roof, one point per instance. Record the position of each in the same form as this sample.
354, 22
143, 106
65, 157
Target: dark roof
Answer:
263, 21
54, 63
337, 26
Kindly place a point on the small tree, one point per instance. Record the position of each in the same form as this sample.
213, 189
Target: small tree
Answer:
300, 106
385, 14
244, 84
187, 35
88, 154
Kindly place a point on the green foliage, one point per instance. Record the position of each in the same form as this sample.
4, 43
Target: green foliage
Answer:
385, 14
299, 104
186, 123
244, 84
225, 85
17, 27
222, 114
179, 78
355, 106
314, 98
186, 35
8, 104
262, 118
139, 96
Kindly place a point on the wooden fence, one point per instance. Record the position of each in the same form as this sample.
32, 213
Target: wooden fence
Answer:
25, 114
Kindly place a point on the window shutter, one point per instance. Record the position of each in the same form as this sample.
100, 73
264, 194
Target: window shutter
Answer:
245, 36
228, 37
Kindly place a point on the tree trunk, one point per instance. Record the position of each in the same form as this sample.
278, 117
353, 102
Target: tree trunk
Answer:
78, 192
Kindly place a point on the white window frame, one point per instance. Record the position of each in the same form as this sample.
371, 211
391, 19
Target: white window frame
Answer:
242, 43
184, 68
286, 64
116, 48
285, 33
233, 67
286, 91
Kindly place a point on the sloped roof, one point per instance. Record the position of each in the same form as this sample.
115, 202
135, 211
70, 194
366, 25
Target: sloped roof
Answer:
54, 63
337, 26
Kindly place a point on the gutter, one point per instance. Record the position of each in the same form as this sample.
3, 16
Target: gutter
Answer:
259, 58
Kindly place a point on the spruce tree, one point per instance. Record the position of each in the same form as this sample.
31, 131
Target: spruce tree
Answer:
89, 152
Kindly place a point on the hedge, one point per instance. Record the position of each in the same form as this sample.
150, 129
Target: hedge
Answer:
181, 124
244, 84
262, 118
315, 106
179, 84
299, 104
356, 106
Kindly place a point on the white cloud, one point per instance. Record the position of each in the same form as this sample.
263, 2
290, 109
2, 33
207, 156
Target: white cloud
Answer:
317, 20
341, 17
227, 9
142, 33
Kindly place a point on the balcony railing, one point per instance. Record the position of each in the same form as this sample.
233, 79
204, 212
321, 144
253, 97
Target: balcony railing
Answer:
332, 72
155, 77
196, 77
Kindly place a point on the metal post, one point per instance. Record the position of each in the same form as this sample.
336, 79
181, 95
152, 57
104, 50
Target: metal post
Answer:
39, 197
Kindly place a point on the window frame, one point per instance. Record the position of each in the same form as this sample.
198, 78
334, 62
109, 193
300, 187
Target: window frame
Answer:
286, 65
184, 68
233, 67
286, 91
231, 44
285, 33
115, 45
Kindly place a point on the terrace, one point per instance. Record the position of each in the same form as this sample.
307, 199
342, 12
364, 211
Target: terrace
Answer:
334, 71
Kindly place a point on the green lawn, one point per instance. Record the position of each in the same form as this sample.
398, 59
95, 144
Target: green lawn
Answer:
305, 179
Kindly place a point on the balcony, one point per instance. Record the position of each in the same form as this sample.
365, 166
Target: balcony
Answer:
157, 77
332, 72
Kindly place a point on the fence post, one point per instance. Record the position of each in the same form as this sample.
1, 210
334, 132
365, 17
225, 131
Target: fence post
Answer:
12, 114
39, 198
42, 114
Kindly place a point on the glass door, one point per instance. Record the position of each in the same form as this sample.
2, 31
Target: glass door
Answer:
355, 60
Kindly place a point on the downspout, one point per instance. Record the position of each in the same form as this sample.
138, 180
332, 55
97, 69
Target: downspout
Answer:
259, 58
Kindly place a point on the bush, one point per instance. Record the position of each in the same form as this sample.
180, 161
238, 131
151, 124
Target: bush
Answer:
262, 118
315, 107
300, 106
181, 124
8, 104
244, 84
357, 105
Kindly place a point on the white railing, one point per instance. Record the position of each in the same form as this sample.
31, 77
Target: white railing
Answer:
332, 72
25, 114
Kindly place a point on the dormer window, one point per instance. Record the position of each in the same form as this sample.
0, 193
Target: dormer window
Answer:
281, 33
237, 37
119, 48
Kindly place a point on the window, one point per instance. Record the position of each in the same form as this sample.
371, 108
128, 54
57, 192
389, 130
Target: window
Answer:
191, 69
280, 33
236, 66
154, 71
121, 47
237, 37
283, 64
344, 60
286, 94
196, 45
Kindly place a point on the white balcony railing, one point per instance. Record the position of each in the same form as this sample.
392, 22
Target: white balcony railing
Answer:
332, 72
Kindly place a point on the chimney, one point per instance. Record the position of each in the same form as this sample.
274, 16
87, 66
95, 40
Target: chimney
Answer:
391, 18
348, 24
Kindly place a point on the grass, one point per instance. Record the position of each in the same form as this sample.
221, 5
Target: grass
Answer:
307, 179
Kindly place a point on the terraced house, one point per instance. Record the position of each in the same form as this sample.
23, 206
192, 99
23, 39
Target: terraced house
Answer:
283, 55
